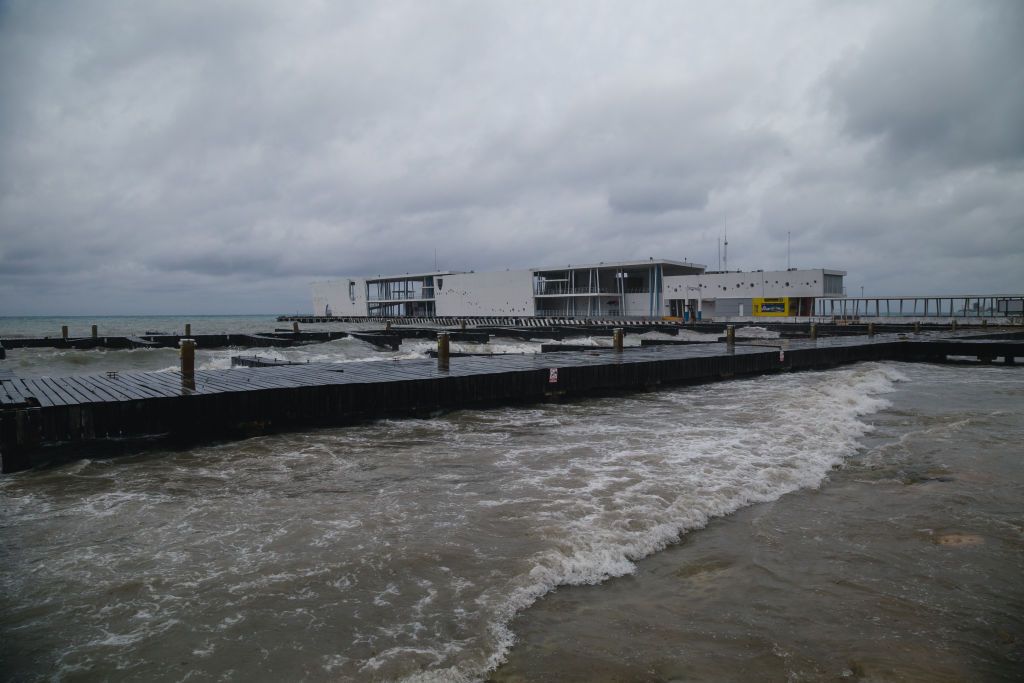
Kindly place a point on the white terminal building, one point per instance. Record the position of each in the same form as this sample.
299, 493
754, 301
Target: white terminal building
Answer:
649, 289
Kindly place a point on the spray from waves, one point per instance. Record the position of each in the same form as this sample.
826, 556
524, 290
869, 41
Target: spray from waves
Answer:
640, 492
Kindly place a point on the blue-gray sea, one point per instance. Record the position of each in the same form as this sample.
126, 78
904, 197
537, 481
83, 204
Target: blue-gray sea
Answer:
862, 523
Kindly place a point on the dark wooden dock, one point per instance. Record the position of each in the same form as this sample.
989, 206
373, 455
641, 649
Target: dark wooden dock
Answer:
44, 418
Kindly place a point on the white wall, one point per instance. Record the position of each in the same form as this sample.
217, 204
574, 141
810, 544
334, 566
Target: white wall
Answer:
771, 283
507, 292
335, 293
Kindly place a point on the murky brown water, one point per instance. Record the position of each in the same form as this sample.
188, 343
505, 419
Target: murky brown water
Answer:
906, 564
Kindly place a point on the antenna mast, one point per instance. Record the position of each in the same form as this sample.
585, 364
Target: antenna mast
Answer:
787, 250
725, 252
719, 252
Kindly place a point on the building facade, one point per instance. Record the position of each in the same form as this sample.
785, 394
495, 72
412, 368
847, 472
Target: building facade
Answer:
619, 289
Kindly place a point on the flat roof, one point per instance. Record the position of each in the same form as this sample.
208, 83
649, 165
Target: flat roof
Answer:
408, 276
826, 271
623, 264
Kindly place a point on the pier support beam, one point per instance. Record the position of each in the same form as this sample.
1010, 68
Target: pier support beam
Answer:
188, 363
443, 351
617, 339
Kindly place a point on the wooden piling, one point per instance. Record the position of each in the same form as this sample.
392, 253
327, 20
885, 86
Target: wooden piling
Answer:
443, 351
95, 332
63, 331
730, 335
813, 331
618, 338
188, 329
871, 329
952, 325
917, 327
295, 327
188, 363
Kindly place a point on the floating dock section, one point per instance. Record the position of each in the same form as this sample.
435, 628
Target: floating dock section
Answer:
44, 419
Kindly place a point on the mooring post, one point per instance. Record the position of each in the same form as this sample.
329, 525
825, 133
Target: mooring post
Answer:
188, 329
984, 323
730, 335
95, 332
952, 325
188, 363
813, 332
617, 338
442, 351
917, 327
63, 331
295, 327
871, 329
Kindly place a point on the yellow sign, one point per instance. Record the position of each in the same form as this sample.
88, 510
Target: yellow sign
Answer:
772, 308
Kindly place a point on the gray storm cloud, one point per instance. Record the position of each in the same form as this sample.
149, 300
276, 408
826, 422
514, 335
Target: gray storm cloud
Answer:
217, 157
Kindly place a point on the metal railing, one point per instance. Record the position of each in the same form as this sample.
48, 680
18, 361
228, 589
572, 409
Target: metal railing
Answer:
427, 293
947, 306
562, 290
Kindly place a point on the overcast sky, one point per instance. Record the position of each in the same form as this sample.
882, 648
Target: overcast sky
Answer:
212, 157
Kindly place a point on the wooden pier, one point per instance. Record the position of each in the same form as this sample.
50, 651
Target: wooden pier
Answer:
52, 417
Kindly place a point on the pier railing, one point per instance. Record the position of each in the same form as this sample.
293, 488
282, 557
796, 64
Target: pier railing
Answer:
948, 306
564, 290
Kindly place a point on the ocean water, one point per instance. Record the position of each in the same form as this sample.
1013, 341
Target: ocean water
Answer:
862, 523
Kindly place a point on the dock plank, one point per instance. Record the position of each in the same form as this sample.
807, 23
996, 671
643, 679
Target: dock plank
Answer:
72, 387
104, 393
57, 395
